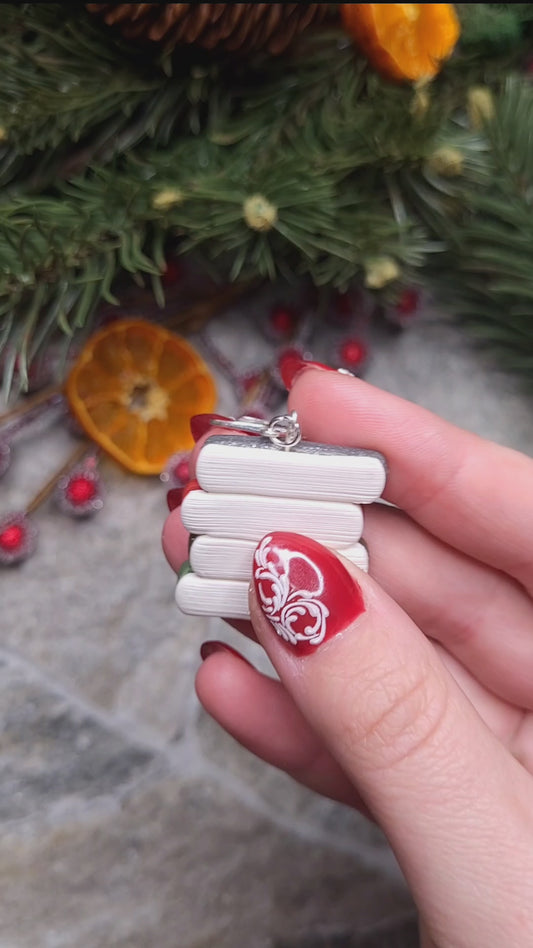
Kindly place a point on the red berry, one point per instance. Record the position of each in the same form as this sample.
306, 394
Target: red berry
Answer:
176, 472
181, 471
249, 381
12, 538
353, 353
172, 274
80, 490
408, 303
79, 493
343, 304
18, 538
282, 320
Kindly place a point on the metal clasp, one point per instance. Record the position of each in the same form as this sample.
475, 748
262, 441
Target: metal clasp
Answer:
283, 430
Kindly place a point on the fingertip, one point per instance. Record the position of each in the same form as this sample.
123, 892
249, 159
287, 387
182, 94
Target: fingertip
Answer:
221, 678
214, 647
312, 382
175, 540
193, 458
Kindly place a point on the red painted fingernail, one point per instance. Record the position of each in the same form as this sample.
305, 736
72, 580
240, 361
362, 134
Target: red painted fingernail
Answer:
201, 424
211, 648
291, 365
174, 498
304, 590
192, 485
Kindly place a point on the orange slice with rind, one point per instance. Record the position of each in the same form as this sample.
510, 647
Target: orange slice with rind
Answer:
133, 390
403, 41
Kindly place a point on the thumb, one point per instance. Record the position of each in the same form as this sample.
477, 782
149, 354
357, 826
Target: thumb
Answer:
451, 800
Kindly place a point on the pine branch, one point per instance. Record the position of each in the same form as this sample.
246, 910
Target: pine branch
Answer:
75, 240
108, 157
72, 94
65, 251
485, 216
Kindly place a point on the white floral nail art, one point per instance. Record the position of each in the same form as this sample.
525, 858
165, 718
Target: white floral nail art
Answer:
297, 613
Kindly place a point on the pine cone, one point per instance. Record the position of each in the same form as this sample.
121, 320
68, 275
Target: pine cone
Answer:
246, 27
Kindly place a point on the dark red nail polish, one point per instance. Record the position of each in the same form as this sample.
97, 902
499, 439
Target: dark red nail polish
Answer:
291, 365
192, 485
174, 498
304, 590
212, 647
201, 424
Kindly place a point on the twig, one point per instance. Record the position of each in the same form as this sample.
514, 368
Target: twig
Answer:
30, 403
76, 456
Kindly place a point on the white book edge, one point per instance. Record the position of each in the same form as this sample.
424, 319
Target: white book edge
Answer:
226, 598
338, 475
250, 517
222, 558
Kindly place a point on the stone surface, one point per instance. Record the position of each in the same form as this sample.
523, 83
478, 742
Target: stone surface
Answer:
289, 801
129, 820
157, 694
52, 750
402, 933
174, 863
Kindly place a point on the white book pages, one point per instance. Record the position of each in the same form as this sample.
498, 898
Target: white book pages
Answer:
241, 465
220, 558
197, 596
247, 517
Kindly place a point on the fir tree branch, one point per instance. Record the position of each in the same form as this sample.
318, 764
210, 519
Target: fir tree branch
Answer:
72, 94
107, 156
485, 216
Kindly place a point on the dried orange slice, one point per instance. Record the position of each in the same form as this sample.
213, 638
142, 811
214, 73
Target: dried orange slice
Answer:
403, 41
134, 388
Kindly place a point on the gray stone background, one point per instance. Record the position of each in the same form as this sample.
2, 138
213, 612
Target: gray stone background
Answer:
128, 817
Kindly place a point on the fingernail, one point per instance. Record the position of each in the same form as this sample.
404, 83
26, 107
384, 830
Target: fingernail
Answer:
211, 648
305, 592
200, 424
174, 498
291, 365
192, 485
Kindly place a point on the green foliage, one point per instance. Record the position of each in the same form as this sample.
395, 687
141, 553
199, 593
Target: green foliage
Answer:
486, 218
108, 153
491, 26
71, 94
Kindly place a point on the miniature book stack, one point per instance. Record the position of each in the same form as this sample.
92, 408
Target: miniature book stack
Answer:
246, 488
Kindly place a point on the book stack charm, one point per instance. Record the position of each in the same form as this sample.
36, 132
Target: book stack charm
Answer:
247, 487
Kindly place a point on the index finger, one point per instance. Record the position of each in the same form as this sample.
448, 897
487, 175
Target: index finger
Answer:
475, 495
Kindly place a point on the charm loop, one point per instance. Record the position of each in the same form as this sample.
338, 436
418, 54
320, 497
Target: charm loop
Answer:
283, 430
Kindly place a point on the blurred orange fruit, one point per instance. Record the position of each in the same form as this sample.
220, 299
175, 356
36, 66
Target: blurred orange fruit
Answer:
405, 41
134, 388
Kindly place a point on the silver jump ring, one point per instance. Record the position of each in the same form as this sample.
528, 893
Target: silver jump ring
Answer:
283, 430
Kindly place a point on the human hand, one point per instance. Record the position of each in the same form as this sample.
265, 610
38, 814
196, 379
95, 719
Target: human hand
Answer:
417, 706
